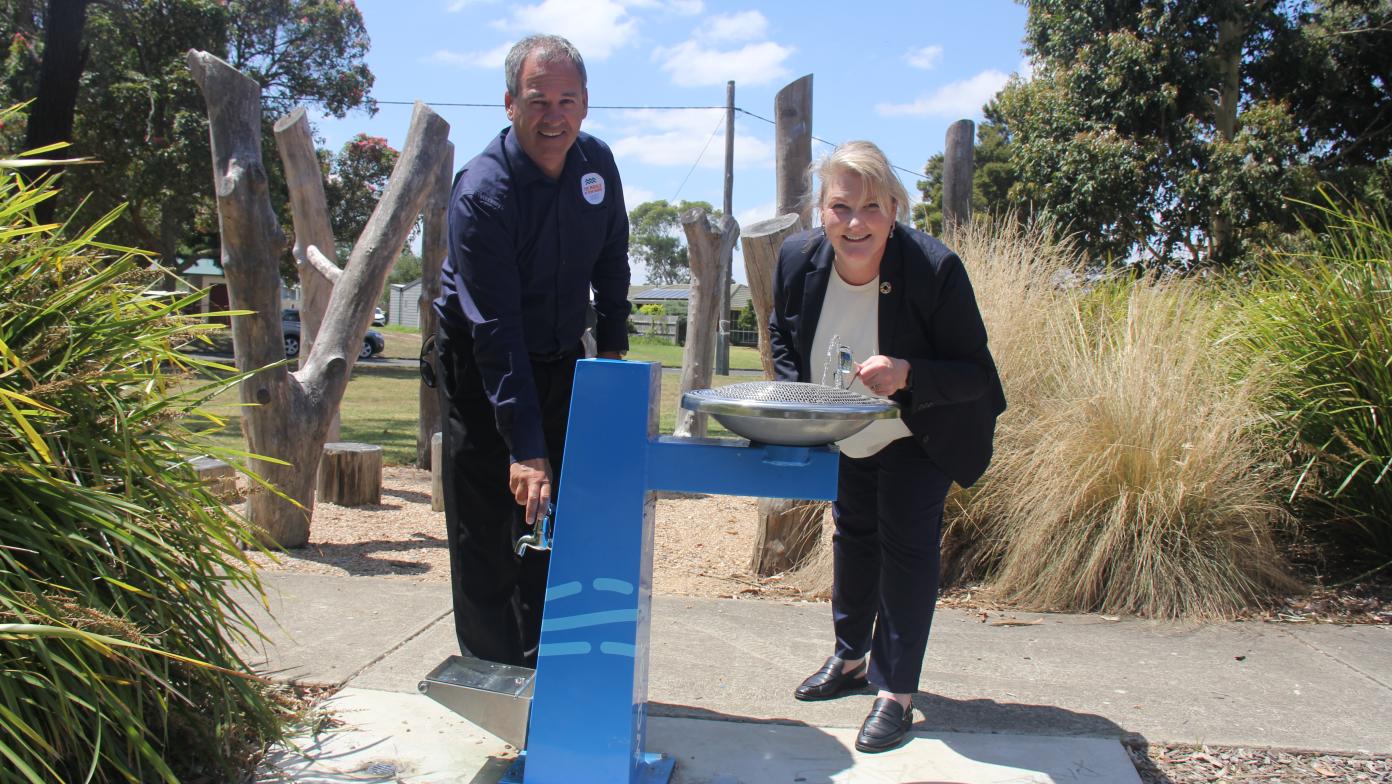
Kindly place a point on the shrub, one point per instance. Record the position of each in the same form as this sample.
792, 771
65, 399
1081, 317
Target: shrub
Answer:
1324, 317
1133, 470
117, 568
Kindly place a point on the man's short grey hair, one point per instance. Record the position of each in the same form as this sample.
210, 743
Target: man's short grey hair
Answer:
548, 49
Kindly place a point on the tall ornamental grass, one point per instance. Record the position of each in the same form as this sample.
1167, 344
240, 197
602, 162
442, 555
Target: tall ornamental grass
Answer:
117, 568
1134, 469
1323, 316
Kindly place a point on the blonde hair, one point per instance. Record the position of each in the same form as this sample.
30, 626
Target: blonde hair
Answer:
864, 159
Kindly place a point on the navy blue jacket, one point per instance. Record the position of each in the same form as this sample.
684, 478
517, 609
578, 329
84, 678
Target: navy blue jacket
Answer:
524, 253
928, 316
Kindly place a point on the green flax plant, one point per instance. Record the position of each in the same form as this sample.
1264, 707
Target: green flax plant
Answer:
1323, 316
117, 568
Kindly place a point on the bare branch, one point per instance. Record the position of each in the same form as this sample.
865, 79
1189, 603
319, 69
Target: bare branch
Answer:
323, 264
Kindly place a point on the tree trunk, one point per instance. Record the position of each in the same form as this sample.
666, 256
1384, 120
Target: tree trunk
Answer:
707, 243
1231, 32
310, 210
760, 243
957, 174
792, 112
60, 73
350, 474
289, 413
434, 246
788, 529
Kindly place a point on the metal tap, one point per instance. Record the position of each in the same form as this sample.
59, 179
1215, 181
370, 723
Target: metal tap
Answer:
540, 537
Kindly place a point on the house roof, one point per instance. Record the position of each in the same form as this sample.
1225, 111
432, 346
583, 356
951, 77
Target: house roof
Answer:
739, 294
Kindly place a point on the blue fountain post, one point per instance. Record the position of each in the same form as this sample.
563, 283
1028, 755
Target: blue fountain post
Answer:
589, 709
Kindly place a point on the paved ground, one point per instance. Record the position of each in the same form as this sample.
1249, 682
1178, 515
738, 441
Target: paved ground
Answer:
1047, 701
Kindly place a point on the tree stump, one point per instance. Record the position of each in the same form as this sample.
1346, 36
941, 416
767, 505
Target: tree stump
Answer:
220, 478
437, 472
789, 531
350, 474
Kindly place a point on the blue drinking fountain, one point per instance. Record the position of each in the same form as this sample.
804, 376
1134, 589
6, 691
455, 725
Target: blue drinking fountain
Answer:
581, 716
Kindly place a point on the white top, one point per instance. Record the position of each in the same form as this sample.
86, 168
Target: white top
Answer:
851, 318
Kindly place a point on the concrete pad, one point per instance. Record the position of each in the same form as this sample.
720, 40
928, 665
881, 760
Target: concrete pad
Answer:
404, 667
1242, 684
409, 739
390, 738
323, 630
723, 752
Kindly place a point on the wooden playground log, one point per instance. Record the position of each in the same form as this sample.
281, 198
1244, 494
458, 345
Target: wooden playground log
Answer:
760, 243
437, 472
792, 112
708, 242
350, 474
789, 531
288, 414
957, 174
434, 246
219, 477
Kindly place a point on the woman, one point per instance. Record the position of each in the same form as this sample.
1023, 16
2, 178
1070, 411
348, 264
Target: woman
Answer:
901, 302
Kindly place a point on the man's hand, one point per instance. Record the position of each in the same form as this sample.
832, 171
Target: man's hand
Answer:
609, 355
883, 375
530, 482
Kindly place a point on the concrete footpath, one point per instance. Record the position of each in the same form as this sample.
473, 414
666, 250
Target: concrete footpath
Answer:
1015, 698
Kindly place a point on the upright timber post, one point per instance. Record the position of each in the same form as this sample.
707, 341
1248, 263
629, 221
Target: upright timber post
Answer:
708, 245
792, 113
957, 174
722, 324
434, 246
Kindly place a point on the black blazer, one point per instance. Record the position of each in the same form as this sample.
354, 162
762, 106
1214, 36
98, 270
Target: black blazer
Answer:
928, 316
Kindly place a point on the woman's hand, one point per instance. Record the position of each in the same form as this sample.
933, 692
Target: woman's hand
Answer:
883, 375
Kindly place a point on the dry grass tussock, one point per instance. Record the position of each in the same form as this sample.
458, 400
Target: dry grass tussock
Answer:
1132, 471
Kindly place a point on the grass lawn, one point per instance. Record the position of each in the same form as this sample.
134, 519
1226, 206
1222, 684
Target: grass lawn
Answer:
405, 342
382, 407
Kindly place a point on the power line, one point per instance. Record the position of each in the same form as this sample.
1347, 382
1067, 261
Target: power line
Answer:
915, 174
698, 159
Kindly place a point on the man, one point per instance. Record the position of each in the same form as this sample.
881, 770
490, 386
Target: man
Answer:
536, 221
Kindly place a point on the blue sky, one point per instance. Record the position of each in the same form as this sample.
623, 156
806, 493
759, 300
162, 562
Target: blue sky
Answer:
896, 72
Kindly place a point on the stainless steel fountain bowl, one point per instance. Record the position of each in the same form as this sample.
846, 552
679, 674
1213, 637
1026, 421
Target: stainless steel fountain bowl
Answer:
789, 413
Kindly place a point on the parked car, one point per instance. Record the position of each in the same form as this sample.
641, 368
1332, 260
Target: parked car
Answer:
373, 342
379, 319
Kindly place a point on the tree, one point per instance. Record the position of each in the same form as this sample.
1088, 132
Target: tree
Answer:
993, 175
655, 239
1174, 132
139, 113
353, 183
51, 116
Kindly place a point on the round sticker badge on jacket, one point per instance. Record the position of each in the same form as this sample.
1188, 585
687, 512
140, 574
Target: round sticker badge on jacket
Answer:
592, 188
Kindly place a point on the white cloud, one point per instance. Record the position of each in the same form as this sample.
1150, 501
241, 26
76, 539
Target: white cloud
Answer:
753, 215
633, 196
596, 27
733, 28
692, 64
1026, 69
493, 58
682, 7
459, 5
959, 99
926, 58
658, 137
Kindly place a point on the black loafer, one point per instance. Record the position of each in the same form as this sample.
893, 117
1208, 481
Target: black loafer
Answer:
831, 680
886, 726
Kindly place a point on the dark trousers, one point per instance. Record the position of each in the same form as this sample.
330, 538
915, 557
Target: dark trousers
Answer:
885, 552
497, 596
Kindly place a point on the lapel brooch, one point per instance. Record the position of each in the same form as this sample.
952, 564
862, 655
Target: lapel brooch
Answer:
885, 288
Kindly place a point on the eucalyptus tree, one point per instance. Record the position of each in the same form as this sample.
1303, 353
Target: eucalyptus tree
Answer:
1177, 132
